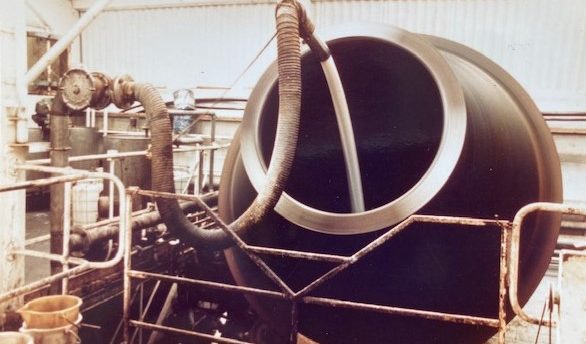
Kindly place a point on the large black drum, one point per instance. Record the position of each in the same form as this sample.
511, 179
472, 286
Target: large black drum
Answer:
440, 130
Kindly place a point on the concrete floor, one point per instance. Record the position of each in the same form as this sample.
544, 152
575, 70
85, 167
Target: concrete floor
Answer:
37, 224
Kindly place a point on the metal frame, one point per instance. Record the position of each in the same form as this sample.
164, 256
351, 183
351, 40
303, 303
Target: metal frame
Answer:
508, 276
67, 176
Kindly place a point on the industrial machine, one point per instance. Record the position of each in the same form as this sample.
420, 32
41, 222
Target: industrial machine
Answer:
406, 193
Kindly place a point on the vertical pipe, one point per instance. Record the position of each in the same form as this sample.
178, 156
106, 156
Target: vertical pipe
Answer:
66, 233
59, 137
141, 309
200, 173
126, 283
112, 171
503, 284
105, 122
93, 118
88, 122
212, 151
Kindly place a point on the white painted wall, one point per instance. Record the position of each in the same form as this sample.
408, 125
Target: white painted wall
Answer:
12, 64
188, 43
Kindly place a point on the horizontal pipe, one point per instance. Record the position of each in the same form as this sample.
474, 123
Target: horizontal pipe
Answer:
168, 4
49, 256
456, 220
43, 282
206, 284
106, 222
63, 43
298, 254
120, 155
172, 112
109, 229
36, 240
388, 236
448, 317
43, 182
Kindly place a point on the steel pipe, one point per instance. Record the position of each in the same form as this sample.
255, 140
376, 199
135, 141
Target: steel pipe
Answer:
121, 155
439, 129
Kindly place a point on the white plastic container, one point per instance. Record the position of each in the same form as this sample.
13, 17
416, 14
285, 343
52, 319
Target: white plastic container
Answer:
84, 197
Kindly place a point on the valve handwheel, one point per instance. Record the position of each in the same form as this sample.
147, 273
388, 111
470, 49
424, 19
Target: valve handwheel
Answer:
77, 88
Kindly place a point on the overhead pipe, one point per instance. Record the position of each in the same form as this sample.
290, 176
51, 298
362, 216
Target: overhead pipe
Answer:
65, 41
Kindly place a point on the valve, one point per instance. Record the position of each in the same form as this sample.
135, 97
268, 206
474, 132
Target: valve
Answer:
77, 88
102, 95
122, 91
80, 89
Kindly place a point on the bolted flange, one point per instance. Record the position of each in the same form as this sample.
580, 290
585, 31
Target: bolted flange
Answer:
102, 96
122, 91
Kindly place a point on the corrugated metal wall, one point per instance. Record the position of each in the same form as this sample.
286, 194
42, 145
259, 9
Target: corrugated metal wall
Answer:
542, 43
180, 47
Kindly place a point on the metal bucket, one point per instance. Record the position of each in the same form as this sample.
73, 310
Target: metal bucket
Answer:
440, 130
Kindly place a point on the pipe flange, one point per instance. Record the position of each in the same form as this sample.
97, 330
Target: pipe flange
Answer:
77, 88
122, 93
102, 96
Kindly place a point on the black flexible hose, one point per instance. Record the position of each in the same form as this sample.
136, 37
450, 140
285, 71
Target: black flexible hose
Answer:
289, 67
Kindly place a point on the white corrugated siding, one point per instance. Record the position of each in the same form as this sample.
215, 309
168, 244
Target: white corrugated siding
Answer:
180, 47
542, 43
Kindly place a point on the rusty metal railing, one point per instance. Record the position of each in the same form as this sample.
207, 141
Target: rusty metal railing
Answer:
68, 176
509, 261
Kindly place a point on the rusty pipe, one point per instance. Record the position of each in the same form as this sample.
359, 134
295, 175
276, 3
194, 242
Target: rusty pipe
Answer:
82, 240
515, 253
59, 138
